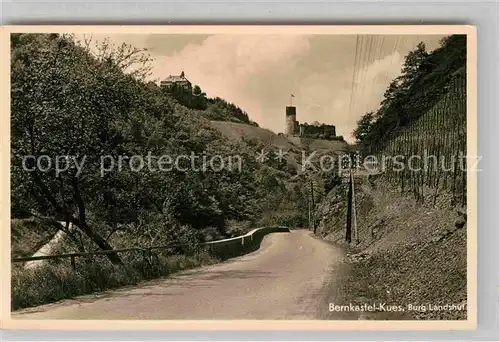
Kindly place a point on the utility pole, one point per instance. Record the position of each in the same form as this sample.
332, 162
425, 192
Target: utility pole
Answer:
312, 192
355, 224
309, 211
312, 205
349, 213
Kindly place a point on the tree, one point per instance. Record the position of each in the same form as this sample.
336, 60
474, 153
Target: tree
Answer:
199, 100
97, 107
425, 78
67, 102
197, 91
219, 109
363, 127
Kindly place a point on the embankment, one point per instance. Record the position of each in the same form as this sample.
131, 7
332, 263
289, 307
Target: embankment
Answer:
408, 253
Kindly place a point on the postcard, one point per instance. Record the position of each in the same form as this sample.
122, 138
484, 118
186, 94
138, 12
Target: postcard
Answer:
239, 177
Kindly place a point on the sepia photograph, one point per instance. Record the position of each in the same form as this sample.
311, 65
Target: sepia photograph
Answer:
233, 173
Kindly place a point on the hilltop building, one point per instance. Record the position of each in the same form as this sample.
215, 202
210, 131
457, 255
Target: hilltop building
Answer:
176, 80
296, 129
291, 123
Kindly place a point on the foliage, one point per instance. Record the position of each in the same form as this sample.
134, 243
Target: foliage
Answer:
30, 234
423, 114
191, 98
211, 108
426, 77
221, 110
438, 138
92, 102
364, 126
53, 282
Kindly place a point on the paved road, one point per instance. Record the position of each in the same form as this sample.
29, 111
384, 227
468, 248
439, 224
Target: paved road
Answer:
289, 277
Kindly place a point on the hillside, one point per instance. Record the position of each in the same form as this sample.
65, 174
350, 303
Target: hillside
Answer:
119, 114
259, 138
321, 145
113, 127
407, 252
406, 227
426, 77
242, 131
138, 181
237, 131
122, 114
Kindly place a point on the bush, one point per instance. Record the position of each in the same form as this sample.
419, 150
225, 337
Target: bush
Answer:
49, 283
237, 228
289, 218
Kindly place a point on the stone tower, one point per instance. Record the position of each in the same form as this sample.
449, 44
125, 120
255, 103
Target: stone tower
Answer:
290, 120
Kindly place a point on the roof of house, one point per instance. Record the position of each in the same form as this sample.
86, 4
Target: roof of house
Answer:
175, 79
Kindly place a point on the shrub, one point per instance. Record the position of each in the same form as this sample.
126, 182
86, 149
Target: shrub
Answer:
52, 282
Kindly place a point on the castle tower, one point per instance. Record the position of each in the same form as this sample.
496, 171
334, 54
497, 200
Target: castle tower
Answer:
290, 120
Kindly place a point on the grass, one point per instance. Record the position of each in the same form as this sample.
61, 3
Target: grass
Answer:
416, 254
53, 282
419, 274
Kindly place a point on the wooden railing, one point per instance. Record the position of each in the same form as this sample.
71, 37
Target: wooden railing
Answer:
223, 248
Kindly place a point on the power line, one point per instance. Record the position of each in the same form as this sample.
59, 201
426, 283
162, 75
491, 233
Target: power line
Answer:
365, 70
364, 56
394, 49
359, 70
354, 73
379, 56
369, 49
375, 54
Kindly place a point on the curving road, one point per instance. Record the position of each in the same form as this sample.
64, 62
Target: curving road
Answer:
290, 277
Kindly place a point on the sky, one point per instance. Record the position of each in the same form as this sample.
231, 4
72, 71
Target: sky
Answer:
259, 72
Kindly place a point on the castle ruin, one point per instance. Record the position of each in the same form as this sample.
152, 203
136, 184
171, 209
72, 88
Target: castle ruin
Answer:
295, 129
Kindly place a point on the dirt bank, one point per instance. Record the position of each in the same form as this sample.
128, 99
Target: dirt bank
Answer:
409, 255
